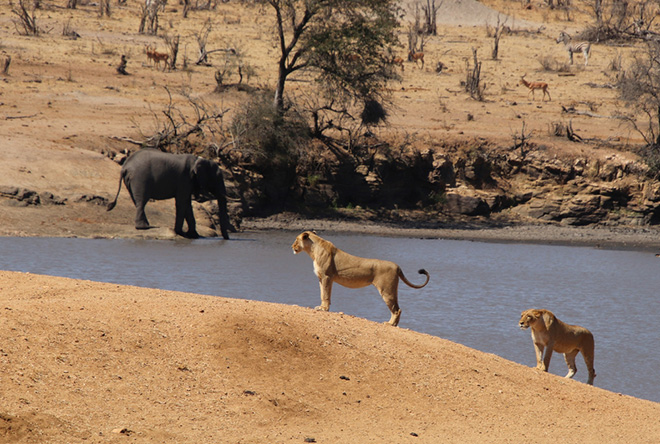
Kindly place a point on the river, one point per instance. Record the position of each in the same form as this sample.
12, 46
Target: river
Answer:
475, 296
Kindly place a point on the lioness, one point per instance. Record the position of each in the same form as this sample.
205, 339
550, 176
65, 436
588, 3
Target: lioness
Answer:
334, 265
550, 332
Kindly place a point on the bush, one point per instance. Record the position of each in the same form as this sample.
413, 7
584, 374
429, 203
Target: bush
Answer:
650, 154
266, 138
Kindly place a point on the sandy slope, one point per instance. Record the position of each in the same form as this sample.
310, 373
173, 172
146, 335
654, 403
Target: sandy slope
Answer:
91, 362
98, 363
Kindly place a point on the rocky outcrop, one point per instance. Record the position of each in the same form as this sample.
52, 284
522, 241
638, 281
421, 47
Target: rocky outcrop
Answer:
23, 197
460, 181
478, 182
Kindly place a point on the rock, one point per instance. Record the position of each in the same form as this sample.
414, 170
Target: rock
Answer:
47, 197
320, 195
583, 209
93, 199
442, 173
466, 205
8, 191
22, 195
122, 431
546, 209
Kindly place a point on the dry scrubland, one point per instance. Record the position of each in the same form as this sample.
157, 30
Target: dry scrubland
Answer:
62, 100
75, 98
87, 362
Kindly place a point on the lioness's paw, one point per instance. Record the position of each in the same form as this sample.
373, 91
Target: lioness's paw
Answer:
320, 308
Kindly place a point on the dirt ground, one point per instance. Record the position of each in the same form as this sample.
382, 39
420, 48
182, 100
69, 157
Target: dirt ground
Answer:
90, 362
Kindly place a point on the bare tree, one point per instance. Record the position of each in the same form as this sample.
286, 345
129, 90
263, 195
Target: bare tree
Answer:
173, 46
26, 24
430, 16
640, 87
149, 16
234, 61
104, 8
202, 38
598, 13
416, 39
497, 35
521, 141
199, 120
473, 84
617, 19
6, 63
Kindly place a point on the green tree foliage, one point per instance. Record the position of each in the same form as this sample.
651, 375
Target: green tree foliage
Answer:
344, 44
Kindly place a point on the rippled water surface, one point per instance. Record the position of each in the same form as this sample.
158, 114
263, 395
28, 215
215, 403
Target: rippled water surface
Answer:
475, 296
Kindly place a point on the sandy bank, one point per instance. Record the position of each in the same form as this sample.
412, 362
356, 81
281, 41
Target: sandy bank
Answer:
91, 362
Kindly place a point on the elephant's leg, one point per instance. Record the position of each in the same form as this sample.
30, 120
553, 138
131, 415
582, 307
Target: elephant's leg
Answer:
190, 221
184, 211
141, 222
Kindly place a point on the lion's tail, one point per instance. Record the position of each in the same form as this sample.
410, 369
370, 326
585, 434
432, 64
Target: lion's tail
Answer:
410, 284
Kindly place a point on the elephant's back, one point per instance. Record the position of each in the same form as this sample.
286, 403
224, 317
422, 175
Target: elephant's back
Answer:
159, 174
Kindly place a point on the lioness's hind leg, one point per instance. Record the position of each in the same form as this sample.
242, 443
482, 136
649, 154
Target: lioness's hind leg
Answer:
588, 355
589, 361
392, 303
570, 362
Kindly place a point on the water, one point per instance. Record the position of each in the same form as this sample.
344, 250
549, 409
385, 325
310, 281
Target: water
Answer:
475, 296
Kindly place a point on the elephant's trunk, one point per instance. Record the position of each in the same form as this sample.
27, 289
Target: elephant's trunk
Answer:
225, 224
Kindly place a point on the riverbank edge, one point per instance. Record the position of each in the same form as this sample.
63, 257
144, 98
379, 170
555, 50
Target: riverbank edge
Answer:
614, 238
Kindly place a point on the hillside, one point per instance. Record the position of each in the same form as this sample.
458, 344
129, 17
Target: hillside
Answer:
66, 111
90, 362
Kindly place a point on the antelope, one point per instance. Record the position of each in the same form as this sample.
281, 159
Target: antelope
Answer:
534, 86
415, 56
573, 48
156, 56
397, 61
149, 52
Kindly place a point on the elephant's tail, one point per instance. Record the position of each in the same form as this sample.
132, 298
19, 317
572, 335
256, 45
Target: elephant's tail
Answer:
112, 204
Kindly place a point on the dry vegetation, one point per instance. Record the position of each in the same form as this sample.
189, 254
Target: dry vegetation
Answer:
68, 88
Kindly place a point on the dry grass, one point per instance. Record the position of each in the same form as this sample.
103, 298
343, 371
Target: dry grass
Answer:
91, 101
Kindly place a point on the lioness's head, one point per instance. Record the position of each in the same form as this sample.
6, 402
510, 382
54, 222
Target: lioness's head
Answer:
301, 243
529, 317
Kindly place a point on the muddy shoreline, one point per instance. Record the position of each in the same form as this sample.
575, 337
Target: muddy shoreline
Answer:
619, 238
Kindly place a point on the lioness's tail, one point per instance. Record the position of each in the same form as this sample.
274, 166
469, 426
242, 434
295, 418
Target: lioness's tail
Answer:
112, 204
422, 271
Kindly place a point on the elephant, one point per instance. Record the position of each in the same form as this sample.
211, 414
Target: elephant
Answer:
153, 174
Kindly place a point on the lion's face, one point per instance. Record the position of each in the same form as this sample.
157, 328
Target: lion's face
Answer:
299, 243
528, 317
